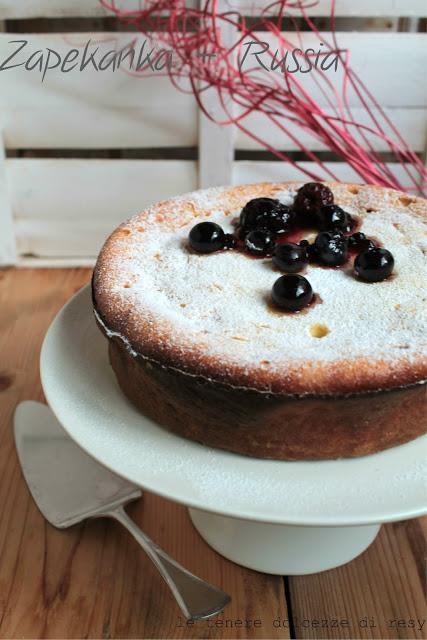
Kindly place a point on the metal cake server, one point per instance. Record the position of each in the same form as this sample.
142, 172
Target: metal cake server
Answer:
68, 486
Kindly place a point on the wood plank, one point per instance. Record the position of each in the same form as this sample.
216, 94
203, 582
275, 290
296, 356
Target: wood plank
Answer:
93, 580
64, 209
68, 207
386, 584
77, 8
94, 126
151, 126
216, 142
372, 56
55, 263
58, 8
345, 8
252, 171
90, 108
410, 122
110, 109
7, 236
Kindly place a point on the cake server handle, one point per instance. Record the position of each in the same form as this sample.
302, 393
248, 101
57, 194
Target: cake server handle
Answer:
196, 598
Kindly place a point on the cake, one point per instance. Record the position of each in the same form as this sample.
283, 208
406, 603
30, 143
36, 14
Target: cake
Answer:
200, 342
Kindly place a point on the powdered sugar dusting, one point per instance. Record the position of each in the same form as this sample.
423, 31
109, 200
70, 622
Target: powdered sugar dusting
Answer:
220, 302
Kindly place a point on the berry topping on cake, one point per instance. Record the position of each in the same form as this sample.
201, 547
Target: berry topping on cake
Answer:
311, 197
356, 239
334, 218
331, 248
360, 242
311, 252
290, 257
369, 244
230, 241
292, 292
266, 227
266, 213
259, 242
374, 265
254, 209
207, 237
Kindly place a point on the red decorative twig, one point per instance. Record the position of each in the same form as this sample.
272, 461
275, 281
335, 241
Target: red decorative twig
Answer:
282, 98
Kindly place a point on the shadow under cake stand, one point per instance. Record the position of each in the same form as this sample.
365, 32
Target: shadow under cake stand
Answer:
285, 518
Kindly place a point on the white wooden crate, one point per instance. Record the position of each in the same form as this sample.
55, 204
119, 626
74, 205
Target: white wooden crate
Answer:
60, 210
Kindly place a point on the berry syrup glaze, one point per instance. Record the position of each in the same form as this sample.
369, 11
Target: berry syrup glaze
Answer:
198, 342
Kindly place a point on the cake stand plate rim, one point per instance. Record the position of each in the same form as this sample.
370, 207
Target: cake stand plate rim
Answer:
81, 390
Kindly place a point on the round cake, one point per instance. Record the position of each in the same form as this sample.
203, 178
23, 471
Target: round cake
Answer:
199, 345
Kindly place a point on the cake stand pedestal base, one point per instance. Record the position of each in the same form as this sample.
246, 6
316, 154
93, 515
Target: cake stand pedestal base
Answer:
282, 549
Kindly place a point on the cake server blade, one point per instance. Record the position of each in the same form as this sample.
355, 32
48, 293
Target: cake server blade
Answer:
69, 486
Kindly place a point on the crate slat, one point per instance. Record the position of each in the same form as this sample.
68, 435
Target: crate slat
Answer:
86, 199
345, 8
7, 233
89, 126
216, 143
109, 109
410, 122
77, 8
252, 171
377, 58
89, 109
146, 127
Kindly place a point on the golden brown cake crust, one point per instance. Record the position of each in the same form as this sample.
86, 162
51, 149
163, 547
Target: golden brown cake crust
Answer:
154, 337
267, 426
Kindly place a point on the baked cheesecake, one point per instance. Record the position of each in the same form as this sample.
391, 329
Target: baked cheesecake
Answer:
275, 320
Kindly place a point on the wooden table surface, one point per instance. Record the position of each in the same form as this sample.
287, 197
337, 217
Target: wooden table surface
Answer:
92, 581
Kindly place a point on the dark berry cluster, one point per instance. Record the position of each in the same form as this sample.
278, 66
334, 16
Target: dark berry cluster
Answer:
267, 214
262, 229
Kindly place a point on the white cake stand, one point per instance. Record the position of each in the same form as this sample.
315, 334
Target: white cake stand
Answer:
278, 517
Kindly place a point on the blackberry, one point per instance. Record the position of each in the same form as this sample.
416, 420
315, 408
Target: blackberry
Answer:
310, 198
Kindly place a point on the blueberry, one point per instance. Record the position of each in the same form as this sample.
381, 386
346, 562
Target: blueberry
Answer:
259, 242
253, 209
332, 217
356, 239
290, 257
278, 221
292, 292
240, 232
230, 241
368, 245
207, 237
266, 213
374, 265
360, 242
331, 248
311, 253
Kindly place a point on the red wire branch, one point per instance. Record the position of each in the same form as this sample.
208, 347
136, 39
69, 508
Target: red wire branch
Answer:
282, 98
